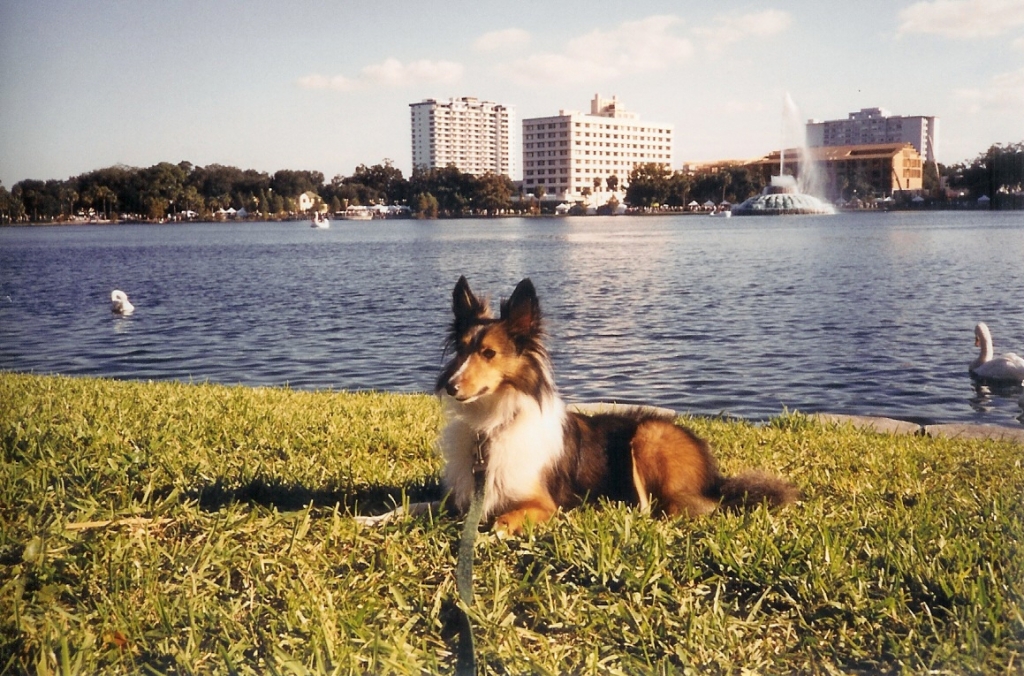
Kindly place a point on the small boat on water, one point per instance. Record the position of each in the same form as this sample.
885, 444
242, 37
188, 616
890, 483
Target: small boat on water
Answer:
358, 214
320, 221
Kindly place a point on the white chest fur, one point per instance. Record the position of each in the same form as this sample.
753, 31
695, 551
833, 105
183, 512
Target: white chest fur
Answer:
522, 440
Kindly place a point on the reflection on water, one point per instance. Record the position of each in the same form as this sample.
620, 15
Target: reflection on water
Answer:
988, 399
866, 313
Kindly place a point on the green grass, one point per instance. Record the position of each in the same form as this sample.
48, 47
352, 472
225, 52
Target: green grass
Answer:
173, 528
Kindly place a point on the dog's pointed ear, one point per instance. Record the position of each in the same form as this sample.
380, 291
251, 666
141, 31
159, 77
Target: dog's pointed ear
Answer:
521, 311
466, 306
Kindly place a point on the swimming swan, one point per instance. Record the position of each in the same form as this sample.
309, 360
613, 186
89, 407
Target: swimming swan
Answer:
119, 303
1005, 368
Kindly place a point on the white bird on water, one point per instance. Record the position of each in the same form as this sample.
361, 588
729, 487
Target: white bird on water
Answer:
119, 303
1007, 368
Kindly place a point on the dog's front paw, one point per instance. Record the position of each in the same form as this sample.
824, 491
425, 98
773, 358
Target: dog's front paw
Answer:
513, 522
509, 524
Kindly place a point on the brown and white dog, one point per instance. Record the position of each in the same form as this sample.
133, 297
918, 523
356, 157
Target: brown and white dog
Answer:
500, 399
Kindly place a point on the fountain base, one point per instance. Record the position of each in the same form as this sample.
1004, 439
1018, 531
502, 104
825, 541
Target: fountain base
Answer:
782, 198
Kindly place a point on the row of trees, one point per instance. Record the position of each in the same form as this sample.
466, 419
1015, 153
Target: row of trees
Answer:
652, 184
161, 191
168, 190
998, 173
183, 190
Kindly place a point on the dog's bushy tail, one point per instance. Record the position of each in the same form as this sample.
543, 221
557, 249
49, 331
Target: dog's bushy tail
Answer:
754, 488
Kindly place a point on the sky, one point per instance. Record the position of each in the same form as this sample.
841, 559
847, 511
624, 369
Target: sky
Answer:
325, 85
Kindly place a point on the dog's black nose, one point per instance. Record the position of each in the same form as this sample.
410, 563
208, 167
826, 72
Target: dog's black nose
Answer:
451, 388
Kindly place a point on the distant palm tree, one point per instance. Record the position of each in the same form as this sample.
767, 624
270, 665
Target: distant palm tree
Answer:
106, 196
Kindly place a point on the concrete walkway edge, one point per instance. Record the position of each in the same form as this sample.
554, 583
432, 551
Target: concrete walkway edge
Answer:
948, 431
877, 424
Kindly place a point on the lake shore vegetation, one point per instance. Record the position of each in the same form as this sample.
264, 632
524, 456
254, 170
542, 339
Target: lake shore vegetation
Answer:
186, 192
167, 527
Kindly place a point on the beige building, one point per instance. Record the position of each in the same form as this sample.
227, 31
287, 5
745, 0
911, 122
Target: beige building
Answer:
887, 167
476, 136
574, 154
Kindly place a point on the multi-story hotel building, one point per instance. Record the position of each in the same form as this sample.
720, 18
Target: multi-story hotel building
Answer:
873, 126
573, 152
475, 136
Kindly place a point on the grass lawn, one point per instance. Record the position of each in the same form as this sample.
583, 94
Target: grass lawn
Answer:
167, 527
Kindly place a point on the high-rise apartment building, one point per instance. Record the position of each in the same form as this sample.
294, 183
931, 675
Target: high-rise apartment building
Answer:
573, 152
475, 136
876, 125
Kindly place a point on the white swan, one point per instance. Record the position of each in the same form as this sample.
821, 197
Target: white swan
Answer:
119, 303
1005, 368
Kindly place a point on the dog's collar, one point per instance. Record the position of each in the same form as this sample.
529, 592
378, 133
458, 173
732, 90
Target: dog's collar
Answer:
483, 446
482, 449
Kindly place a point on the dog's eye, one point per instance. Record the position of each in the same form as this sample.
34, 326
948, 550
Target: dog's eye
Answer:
487, 353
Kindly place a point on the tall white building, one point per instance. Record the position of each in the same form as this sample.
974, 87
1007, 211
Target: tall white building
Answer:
476, 136
876, 125
573, 151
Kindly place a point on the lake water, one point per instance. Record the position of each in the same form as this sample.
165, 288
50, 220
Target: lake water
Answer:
856, 313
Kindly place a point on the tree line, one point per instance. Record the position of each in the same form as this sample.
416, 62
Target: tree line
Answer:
653, 185
185, 191
997, 173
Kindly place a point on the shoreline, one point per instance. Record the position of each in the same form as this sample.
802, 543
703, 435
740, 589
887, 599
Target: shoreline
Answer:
883, 425
874, 423
879, 424
639, 213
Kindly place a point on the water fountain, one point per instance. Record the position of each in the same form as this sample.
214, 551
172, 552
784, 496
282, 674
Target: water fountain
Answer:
785, 194
780, 198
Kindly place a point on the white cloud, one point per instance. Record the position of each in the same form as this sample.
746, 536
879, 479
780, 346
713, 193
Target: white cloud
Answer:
962, 19
633, 47
1018, 44
389, 73
648, 45
316, 81
1004, 92
728, 29
508, 38
394, 73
